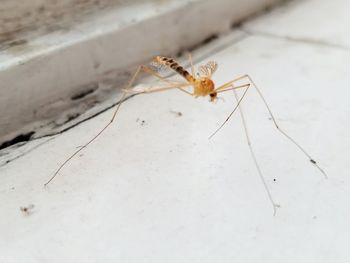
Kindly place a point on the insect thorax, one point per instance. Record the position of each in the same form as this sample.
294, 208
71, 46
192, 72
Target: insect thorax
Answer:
203, 86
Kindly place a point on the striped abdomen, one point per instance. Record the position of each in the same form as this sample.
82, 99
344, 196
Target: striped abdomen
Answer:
175, 66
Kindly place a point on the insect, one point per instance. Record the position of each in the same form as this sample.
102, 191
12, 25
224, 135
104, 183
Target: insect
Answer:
200, 84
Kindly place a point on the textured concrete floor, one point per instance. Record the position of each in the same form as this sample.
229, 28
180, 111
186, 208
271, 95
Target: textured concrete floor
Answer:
154, 189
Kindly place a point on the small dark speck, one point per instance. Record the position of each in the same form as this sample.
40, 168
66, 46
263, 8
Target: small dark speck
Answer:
177, 113
41, 9
97, 65
18, 42
27, 210
143, 122
84, 93
209, 39
236, 25
274, 180
313, 161
179, 53
71, 117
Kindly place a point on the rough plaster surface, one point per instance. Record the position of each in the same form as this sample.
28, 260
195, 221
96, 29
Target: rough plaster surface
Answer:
39, 16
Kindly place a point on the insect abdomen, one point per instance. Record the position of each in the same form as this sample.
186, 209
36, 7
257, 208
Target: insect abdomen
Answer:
175, 66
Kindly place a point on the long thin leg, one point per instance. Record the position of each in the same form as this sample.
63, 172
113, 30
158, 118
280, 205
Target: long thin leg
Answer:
272, 117
312, 160
160, 77
139, 69
234, 88
189, 93
101, 131
229, 84
170, 84
233, 111
191, 63
274, 205
179, 86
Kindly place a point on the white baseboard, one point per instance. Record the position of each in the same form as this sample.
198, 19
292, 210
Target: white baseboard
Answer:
48, 80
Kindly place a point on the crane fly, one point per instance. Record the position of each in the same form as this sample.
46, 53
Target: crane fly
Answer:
201, 85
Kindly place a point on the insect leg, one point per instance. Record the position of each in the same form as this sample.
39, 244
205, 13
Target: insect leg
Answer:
154, 73
224, 87
191, 63
171, 85
274, 205
229, 86
312, 160
179, 86
101, 131
247, 86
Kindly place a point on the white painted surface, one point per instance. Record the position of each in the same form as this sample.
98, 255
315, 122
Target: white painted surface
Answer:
19, 19
40, 77
161, 192
314, 21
